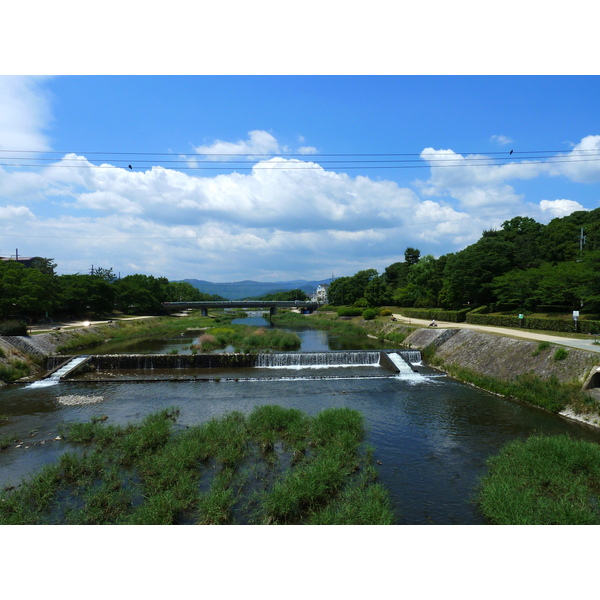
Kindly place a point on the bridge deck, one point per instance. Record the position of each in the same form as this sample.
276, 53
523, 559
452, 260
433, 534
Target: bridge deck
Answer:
242, 304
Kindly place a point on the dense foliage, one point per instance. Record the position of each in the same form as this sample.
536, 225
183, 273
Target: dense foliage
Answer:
285, 296
524, 266
35, 292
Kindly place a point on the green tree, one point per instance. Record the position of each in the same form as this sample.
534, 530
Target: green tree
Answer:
524, 234
81, 294
468, 274
44, 265
378, 292
348, 290
412, 256
104, 274
141, 294
26, 291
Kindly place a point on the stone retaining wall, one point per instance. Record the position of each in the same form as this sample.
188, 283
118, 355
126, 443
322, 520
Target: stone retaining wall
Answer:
503, 357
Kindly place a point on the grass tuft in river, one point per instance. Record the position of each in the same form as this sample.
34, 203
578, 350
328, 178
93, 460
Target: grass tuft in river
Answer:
275, 465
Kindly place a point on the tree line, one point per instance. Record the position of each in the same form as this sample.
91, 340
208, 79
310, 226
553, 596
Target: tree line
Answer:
524, 265
35, 292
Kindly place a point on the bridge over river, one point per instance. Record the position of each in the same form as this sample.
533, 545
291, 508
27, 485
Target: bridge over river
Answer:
272, 305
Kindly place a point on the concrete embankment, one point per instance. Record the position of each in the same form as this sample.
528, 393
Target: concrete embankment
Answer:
503, 357
33, 349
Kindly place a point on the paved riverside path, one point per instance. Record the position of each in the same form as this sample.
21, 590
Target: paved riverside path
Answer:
581, 344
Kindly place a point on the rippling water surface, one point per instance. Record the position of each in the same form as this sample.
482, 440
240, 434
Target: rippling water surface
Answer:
432, 434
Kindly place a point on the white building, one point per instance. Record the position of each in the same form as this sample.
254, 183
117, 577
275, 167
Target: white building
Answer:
320, 294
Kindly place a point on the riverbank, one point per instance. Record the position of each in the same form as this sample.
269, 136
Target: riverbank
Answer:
482, 358
502, 364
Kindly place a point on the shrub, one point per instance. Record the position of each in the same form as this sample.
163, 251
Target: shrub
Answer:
553, 308
561, 354
369, 314
386, 312
453, 316
13, 328
348, 311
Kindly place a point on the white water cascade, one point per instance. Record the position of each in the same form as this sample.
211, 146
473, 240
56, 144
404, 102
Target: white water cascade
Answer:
317, 360
60, 373
405, 369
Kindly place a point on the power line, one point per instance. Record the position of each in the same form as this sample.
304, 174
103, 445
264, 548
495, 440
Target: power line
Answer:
274, 154
455, 163
209, 161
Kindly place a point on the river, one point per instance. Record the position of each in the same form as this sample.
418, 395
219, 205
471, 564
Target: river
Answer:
432, 434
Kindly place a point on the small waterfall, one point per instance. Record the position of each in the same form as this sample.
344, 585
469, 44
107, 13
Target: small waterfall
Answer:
401, 360
412, 356
316, 360
60, 373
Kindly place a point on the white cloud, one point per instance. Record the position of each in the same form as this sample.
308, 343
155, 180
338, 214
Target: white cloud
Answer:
560, 208
16, 214
307, 150
285, 218
582, 164
502, 140
258, 143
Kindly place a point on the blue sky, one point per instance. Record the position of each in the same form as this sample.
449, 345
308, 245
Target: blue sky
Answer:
286, 212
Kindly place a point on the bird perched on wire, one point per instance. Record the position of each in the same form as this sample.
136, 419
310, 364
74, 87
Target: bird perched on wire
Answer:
509, 153
132, 167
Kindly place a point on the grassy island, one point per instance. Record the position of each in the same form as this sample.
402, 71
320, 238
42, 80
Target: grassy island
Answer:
273, 466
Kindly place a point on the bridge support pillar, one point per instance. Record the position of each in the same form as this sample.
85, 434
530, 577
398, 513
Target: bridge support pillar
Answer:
204, 312
272, 311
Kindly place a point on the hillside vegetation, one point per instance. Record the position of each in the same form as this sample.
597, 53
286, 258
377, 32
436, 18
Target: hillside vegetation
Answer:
523, 267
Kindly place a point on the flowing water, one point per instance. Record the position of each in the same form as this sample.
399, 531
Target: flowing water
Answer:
432, 434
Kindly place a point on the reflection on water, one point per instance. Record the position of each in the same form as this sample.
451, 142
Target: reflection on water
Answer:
312, 340
432, 434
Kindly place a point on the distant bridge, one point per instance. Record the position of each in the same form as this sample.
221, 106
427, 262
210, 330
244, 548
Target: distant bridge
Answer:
272, 305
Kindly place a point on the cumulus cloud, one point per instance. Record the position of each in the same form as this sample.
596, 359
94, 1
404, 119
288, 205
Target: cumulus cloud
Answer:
560, 208
582, 164
285, 218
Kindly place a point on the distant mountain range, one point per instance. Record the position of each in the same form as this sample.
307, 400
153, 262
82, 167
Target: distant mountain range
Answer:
245, 289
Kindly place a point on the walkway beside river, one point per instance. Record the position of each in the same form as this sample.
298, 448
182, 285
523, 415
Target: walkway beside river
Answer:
581, 344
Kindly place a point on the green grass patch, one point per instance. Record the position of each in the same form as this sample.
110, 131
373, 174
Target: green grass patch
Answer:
319, 321
550, 393
543, 481
541, 347
14, 369
247, 339
273, 466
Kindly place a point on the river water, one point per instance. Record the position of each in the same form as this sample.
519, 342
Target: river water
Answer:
432, 434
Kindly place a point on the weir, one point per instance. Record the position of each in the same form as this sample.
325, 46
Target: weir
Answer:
63, 370
397, 361
318, 359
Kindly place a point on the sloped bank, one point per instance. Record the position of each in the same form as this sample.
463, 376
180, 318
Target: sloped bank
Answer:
565, 380
30, 351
